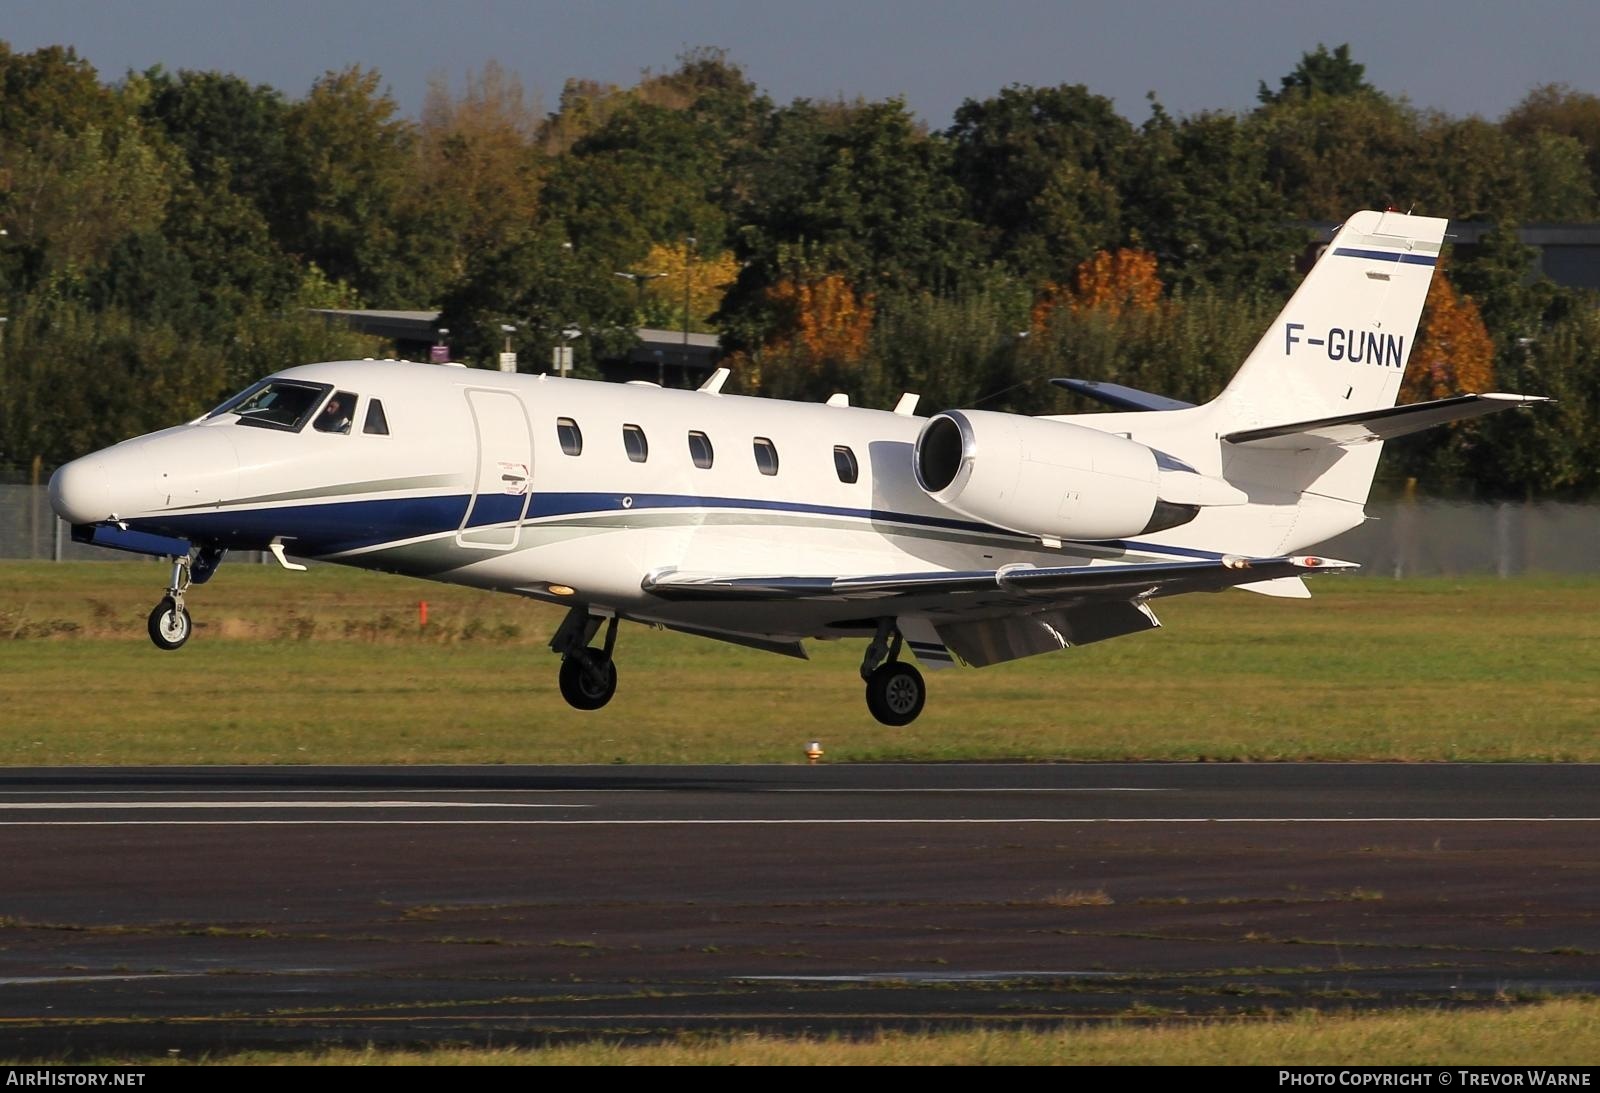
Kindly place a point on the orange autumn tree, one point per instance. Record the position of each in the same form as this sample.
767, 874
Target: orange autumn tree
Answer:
1109, 281
1454, 353
830, 322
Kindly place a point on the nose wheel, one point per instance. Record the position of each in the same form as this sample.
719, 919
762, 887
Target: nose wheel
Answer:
169, 624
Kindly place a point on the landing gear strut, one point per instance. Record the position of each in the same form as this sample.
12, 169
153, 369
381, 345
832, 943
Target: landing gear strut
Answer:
169, 624
895, 691
588, 675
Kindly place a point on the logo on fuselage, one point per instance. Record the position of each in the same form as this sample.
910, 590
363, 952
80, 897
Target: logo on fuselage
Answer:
1351, 345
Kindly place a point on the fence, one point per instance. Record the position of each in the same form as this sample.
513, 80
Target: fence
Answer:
1415, 539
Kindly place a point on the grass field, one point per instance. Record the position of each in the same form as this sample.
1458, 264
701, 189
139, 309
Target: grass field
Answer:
1554, 1033
331, 666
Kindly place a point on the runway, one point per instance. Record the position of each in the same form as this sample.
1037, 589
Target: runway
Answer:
197, 909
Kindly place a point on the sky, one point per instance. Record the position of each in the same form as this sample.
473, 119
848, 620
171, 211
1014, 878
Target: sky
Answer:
1461, 57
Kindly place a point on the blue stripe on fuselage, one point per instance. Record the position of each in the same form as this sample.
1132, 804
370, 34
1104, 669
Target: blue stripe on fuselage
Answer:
337, 527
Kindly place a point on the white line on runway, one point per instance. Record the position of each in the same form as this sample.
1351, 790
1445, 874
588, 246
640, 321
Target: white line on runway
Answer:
986, 789
57, 806
822, 822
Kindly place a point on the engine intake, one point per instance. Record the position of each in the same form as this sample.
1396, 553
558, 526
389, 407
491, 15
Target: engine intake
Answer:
1047, 478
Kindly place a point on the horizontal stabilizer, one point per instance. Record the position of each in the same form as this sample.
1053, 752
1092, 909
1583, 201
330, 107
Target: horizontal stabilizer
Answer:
1008, 585
1381, 424
1123, 398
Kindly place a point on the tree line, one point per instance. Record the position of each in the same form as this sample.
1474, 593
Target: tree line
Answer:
167, 234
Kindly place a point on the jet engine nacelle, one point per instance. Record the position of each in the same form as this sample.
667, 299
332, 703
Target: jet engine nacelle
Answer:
1046, 478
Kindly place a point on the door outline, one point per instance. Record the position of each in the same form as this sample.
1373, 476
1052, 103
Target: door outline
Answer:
503, 439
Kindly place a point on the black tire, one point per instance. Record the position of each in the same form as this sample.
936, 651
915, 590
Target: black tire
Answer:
169, 625
578, 683
896, 693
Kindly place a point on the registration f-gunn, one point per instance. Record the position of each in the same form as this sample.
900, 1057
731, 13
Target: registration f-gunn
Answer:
969, 536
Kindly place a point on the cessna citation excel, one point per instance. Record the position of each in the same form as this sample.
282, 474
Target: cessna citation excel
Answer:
969, 535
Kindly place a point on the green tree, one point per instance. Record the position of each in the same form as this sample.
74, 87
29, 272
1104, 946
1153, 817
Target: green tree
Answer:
1561, 110
1198, 196
231, 134
347, 158
855, 189
1041, 169
1319, 73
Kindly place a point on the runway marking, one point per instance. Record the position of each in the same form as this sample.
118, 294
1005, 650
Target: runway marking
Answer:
57, 806
34, 980
1062, 821
988, 789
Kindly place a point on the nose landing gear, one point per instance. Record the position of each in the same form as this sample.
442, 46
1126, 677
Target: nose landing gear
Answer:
169, 624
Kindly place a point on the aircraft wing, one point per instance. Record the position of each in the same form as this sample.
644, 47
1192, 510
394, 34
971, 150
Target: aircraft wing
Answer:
1385, 424
1008, 585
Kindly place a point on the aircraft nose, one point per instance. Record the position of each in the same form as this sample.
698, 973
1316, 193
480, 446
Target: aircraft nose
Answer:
81, 491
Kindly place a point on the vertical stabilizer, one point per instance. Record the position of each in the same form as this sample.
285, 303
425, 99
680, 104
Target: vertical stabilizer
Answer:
1342, 343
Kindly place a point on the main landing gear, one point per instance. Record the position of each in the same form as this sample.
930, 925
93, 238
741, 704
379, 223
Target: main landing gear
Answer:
895, 691
588, 675
169, 624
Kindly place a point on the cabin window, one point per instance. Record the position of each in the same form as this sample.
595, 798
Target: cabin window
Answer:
275, 404
570, 435
766, 456
633, 440
376, 423
844, 462
700, 449
335, 417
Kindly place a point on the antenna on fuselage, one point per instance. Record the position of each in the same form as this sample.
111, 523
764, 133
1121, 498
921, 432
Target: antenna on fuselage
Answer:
714, 382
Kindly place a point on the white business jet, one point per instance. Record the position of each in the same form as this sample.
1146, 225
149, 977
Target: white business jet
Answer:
970, 535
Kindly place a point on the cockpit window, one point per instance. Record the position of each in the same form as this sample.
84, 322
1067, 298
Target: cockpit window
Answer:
275, 404
335, 417
376, 424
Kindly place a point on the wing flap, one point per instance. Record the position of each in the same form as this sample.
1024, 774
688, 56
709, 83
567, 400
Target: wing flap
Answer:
1039, 586
982, 642
1385, 424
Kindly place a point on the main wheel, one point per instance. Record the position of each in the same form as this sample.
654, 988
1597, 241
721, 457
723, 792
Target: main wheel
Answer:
895, 693
579, 685
169, 625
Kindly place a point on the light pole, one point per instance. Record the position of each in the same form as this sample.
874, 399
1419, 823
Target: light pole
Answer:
688, 264
639, 281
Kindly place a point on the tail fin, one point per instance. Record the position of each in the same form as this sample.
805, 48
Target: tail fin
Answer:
1342, 343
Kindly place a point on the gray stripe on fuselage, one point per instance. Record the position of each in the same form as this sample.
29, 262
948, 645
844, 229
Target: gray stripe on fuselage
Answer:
383, 485
437, 554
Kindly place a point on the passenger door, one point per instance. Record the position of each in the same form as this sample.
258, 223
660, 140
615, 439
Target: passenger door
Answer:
504, 482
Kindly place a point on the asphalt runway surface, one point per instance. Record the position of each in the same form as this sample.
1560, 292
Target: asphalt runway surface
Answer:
207, 909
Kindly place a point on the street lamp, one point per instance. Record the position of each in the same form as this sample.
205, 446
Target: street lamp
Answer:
688, 264
639, 281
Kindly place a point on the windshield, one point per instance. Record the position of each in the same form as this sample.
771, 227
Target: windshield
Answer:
275, 404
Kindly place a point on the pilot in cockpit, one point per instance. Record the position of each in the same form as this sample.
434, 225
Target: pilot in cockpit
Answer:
333, 418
